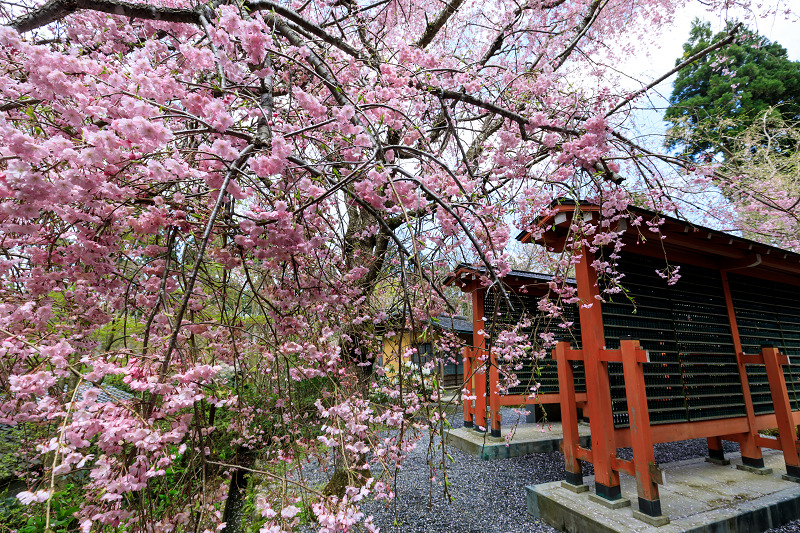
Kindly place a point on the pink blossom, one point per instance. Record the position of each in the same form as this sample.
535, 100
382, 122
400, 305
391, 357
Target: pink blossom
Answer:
290, 511
27, 498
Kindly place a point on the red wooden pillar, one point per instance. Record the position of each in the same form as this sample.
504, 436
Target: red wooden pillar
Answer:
598, 390
783, 409
479, 353
494, 395
751, 452
470, 390
480, 391
641, 438
569, 415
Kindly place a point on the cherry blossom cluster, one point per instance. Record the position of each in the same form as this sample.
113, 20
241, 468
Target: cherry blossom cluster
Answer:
214, 216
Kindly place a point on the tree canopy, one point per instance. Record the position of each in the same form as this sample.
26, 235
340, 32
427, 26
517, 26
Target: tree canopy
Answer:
719, 96
221, 208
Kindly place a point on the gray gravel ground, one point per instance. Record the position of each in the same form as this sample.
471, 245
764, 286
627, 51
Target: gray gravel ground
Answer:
489, 496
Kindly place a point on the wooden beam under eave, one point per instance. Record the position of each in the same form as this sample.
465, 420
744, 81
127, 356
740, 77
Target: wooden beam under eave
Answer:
783, 271
769, 274
555, 238
697, 244
749, 261
664, 250
773, 263
461, 278
535, 290
471, 285
552, 221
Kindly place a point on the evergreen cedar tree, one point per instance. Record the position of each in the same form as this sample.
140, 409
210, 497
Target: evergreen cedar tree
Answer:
212, 206
717, 98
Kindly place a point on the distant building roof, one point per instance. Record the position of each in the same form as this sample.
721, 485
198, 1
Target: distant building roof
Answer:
107, 394
457, 323
517, 277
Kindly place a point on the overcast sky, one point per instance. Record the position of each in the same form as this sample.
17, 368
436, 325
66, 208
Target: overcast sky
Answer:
775, 29
662, 59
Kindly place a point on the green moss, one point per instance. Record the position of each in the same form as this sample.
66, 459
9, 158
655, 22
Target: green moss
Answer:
342, 479
10, 438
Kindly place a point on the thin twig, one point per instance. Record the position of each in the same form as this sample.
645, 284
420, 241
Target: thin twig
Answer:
173, 340
731, 35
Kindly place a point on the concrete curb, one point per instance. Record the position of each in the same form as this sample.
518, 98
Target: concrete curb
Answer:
527, 439
700, 498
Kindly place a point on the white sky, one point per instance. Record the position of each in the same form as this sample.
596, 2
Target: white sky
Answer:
774, 28
661, 59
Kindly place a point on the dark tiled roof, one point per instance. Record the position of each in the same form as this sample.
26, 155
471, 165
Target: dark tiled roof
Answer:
458, 323
519, 274
107, 393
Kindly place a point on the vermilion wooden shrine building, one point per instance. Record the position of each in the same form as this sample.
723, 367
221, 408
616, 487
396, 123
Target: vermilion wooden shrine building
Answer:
712, 356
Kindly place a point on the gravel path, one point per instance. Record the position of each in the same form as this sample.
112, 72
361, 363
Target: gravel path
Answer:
489, 496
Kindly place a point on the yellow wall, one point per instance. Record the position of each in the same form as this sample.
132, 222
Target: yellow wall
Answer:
395, 346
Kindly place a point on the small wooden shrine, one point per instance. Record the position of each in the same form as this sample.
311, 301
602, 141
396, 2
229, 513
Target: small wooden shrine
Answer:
714, 355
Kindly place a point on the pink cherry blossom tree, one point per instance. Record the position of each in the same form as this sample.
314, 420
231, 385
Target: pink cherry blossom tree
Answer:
219, 207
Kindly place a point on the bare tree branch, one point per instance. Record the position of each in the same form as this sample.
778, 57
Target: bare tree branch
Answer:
433, 27
580, 31
490, 127
500, 37
293, 16
472, 100
16, 104
189, 290
58, 9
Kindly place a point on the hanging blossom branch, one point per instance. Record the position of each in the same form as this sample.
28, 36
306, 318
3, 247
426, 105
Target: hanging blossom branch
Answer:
388, 226
460, 221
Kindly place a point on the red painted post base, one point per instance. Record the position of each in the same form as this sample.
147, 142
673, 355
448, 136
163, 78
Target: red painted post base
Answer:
716, 454
650, 507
